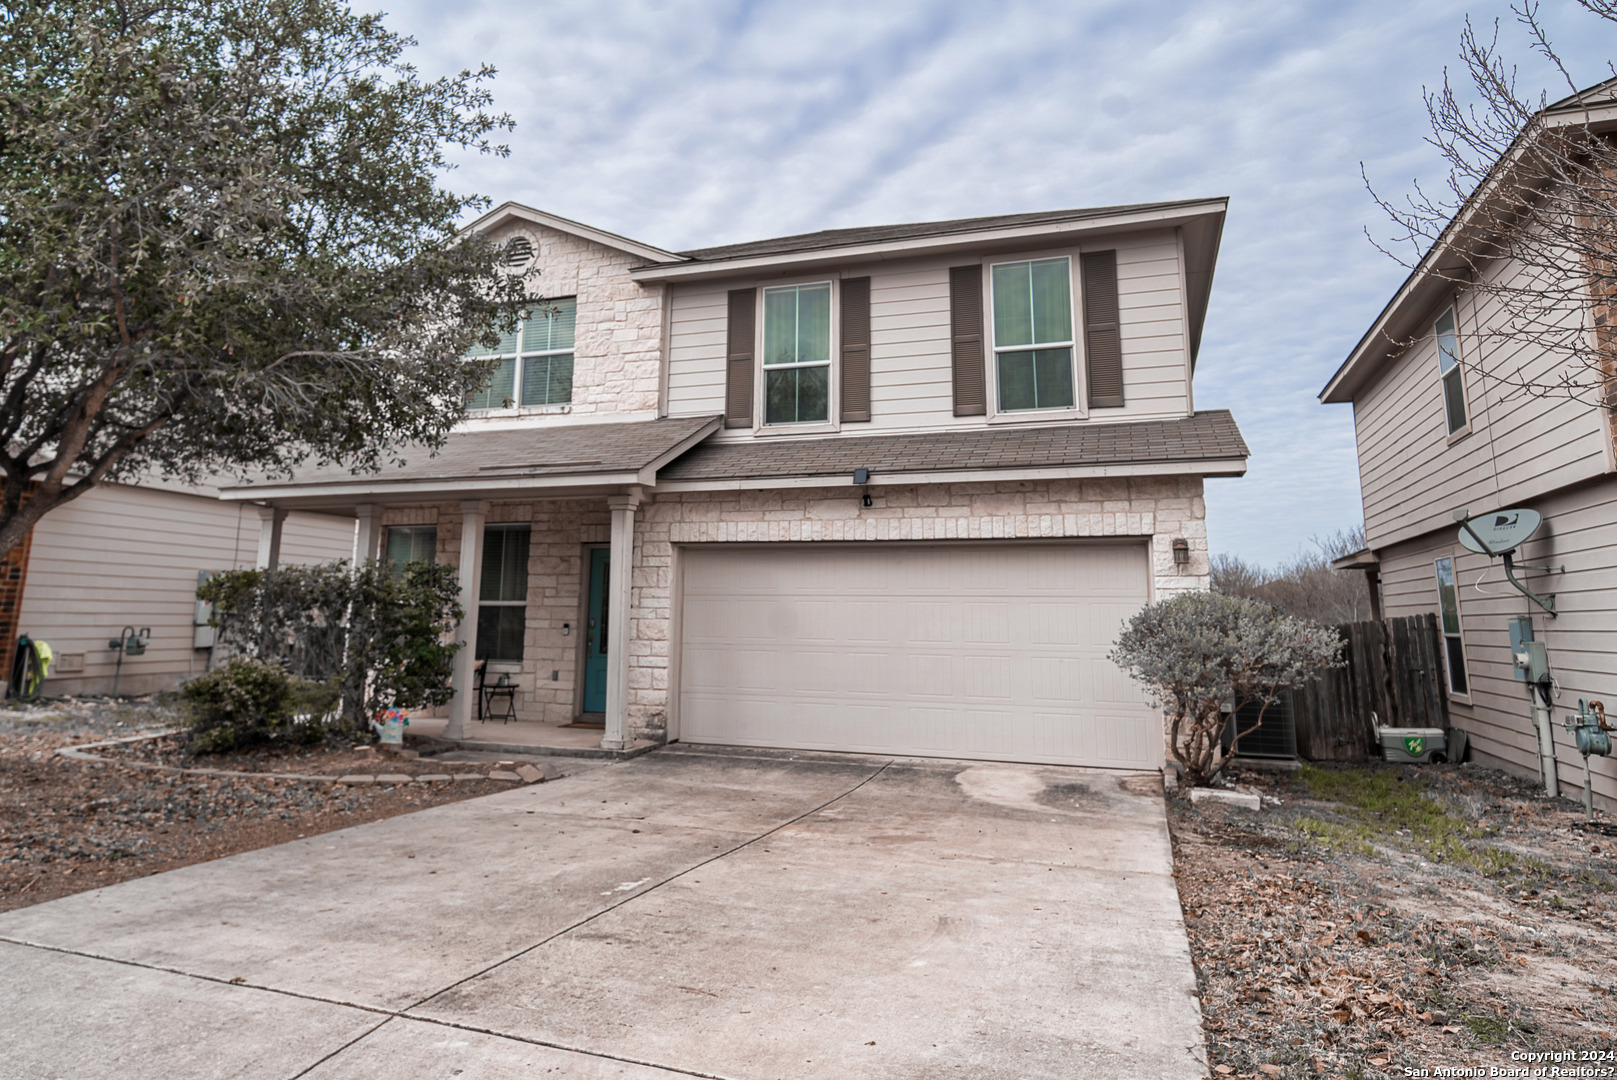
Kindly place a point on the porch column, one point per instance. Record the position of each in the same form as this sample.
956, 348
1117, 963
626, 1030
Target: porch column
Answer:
271, 518
368, 534
463, 706
619, 584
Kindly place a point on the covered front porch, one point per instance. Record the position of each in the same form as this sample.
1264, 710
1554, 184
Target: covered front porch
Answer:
545, 553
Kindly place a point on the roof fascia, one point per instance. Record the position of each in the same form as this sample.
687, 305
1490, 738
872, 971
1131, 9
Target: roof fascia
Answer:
1417, 290
1210, 467
1202, 238
446, 487
908, 247
509, 210
1363, 559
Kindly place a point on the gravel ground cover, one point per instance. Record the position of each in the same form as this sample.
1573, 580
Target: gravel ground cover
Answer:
68, 826
1381, 920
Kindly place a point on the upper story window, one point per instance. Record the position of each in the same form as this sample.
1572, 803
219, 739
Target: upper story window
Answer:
1448, 602
535, 361
1450, 372
797, 354
1033, 343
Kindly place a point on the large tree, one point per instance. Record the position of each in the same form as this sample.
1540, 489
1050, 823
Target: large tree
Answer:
1526, 217
225, 245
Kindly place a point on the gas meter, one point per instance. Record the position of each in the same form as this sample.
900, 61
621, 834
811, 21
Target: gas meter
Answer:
1592, 733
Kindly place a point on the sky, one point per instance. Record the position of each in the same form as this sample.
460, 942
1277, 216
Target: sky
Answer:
687, 124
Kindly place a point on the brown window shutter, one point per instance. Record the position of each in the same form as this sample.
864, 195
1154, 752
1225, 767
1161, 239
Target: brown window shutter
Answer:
855, 350
966, 340
738, 358
1103, 340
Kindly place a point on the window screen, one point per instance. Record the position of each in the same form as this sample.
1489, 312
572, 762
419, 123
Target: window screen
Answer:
502, 610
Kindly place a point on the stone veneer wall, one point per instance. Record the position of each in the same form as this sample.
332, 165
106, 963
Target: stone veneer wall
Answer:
1158, 508
617, 349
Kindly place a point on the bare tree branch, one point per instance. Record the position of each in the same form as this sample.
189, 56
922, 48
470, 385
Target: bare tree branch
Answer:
1527, 223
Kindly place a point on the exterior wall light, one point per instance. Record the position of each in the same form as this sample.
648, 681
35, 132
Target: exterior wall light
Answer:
1181, 553
861, 476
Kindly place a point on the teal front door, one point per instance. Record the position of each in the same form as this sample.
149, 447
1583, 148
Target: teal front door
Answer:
595, 632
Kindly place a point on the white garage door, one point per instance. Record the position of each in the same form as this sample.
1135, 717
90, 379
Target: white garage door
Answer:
937, 650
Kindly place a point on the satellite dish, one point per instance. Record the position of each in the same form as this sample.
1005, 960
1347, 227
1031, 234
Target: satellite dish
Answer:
1502, 532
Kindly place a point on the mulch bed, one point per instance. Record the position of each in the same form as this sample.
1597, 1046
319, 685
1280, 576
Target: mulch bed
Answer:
68, 826
1350, 929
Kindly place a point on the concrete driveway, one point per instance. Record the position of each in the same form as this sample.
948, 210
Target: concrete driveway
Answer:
694, 912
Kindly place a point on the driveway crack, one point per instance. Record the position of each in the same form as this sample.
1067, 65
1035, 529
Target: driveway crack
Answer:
630, 898
388, 1014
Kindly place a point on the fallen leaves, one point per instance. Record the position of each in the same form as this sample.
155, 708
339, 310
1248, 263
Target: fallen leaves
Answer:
67, 826
1315, 963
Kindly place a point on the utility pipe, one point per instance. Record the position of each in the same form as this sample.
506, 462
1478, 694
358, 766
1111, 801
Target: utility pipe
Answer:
1546, 740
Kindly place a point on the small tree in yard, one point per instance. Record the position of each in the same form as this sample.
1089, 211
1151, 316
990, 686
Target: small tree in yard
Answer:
224, 246
1197, 652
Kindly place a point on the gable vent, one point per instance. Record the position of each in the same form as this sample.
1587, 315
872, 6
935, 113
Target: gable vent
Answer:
519, 251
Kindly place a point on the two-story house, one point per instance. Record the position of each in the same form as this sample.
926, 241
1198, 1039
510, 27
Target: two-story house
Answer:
1444, 426
885, 490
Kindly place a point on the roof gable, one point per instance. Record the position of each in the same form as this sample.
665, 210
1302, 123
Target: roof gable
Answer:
509, 212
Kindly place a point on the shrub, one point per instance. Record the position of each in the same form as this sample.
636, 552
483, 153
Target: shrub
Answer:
373, 637
247, 702
1197, 652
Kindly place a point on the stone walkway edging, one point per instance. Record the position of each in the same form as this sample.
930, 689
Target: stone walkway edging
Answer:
80, 753
433, 745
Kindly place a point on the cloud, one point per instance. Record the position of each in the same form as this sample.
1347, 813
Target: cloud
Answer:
687, 124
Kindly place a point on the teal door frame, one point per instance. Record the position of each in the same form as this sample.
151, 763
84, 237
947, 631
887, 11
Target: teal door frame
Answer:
597, 576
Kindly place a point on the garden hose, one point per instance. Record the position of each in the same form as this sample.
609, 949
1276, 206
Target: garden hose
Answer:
29, 666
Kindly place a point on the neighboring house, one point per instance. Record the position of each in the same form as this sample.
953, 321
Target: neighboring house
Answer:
887, 490
130, 555
1437, 433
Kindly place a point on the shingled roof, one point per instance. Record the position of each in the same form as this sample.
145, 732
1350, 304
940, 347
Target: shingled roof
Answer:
1204, 436
541, 452
875, 234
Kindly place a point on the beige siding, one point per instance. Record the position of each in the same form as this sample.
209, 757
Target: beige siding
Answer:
697, 320
129, 556
1520, 447
1576, 534
910, 381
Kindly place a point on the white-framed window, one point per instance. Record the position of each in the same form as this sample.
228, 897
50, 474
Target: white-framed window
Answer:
1448, 606
502, 593
797, 354
535, 361
411, 543
1032, 327
1450, 372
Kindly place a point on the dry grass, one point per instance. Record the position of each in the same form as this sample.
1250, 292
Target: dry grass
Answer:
1374, 919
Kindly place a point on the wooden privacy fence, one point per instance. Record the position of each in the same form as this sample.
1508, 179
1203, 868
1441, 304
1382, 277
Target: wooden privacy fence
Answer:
1394, 669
